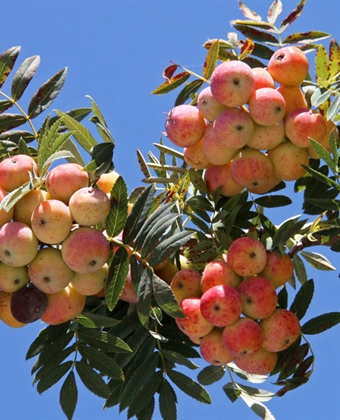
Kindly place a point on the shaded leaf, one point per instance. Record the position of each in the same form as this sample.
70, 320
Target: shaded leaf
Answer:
287, 230
333, 109
302, 299
167, 401
52, 376
179, 359
188, 91
273, 201
95, 320
9, 121
92, 380
165, 298
7, 61
321, 323
5, 104
210, 374
45, 338
189, 386
68, 395
101, 362
115, 221
293, 15
118, 272
16, 135
231, 392
24, 75
46, 94
103, 340
305, 37
144, 296
256, 34
300, 269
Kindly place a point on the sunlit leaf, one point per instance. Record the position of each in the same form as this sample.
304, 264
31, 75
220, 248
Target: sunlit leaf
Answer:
187, 92
318, 261
274, 11
321, 64
165, 298
247, 12
46, 94
256, 34
293, 15
259, 409
323, 153
321, 323
300, 269
23, 76
305, 37
171, 84
211, 59
334, 108
7, 61
116, 219
334, 59
247, 48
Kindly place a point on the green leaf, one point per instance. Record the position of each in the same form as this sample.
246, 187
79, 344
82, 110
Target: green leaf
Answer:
300, 269
52, 376
118, 272
291, 360
178, 358
190, 387
165, 298
188, 91
116, 219
94, 320
210, 374
324, 155
7, 61
101, 362
273, 201
303, 299
292, 16
5, 104
211, 59
9, 121
167, 401
321, 323
305, 37
282, 298
45, 338
256, 34
318, 261
334, 58
138, 215
92, 380
103, 340
231, 392
139, 377
321, 64
68, 395
274, 11
144, 296
287, 230
333, 109
46, 94
79, 131
23, 76
168, 247
14, 196
171, 84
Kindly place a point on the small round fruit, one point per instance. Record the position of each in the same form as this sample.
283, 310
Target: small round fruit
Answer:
28, 304
13, 278
15, 171
6, 315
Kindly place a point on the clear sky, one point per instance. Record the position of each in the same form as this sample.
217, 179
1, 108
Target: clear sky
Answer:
115, 52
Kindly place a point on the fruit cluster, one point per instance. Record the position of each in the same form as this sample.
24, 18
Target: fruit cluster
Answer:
232, 310
51, 253
251, 127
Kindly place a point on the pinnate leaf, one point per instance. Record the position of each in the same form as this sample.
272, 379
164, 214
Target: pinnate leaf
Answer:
118, 271
303, 299
68, 396
9, 121
92, 380
293, 15
334, 58
273, 201
165, 298
7, 61
321, 323
171, 84
318, 261
116, 219
274, 11
52, 376
211, 59
189, 386
24, 75
167, 401
210, 374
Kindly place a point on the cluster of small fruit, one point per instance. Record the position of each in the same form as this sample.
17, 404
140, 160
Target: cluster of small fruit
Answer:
231, 307
51, 253
251, 126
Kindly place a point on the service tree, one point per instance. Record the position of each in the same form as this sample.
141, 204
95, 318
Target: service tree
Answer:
132, 285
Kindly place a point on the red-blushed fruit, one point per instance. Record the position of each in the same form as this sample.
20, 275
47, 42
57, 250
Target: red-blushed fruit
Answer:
6, 315
48, 271
259, 298
266, 137
247, 256
262, 78
18, 244
267, 106
90, 284
325, 142
221, 305
128, 293
287, 159
234, 128
262, 362
186, 283
253, 170
15, 171
218, 272
213, 350
288, 66
280, 330
24, 208
89, 206
242, 337
85, 250
215, 150
232, 83
302, 124
193, 325
218, 177
13, 278
63, 306
107, 181
65, 179
278, 269
185, 125
51, 221
195, 157
294, 98
208, 106
5, 216
28, 304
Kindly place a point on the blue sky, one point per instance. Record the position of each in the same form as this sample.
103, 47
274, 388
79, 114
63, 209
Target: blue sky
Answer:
115, 52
